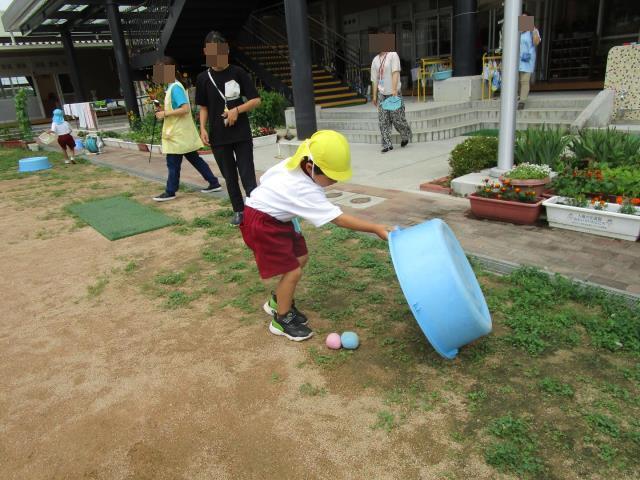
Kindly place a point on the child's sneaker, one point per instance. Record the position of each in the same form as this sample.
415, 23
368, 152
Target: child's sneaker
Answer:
271, 308
289, 326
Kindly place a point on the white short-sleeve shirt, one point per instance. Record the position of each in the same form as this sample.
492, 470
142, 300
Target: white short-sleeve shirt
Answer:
381, 72
61, 128
285, 194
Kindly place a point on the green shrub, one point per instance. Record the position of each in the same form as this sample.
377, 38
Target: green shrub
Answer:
142, 130
541, 146
473, 154
22, 115
625, 181
270, 113
609, 147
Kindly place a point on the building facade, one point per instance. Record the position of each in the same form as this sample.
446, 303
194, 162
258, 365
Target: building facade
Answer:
577, 34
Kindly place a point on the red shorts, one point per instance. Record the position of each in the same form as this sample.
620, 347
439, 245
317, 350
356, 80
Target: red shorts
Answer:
66, 140
276, 245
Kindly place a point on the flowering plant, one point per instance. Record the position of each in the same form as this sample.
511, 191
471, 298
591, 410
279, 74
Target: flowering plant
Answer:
505, 191
262, 131
529, 171
628, 205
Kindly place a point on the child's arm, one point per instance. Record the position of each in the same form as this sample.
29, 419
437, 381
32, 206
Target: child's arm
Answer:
355, 223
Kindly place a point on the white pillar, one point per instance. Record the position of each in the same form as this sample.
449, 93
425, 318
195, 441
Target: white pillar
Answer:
509, 94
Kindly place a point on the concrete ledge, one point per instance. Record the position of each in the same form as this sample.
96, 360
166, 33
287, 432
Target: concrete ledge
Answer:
290, 116
458, 89
469, 183
286, 148
598, 113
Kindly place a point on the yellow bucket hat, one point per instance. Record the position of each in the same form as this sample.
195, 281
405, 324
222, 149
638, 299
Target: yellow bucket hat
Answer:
329, 150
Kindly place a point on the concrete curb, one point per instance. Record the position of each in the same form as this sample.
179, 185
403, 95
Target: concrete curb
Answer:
502, 267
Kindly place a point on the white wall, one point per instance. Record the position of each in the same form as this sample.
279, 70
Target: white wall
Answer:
8, 109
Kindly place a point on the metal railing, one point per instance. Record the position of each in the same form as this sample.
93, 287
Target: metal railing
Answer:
143, 25
329, 49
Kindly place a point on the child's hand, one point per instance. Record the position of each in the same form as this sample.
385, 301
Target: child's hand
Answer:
383, 231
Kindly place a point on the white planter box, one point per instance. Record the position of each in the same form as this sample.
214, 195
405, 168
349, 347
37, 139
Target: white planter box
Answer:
155, 148
607, 222
266, 140
112, 142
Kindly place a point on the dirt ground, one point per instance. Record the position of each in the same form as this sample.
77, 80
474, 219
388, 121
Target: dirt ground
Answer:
99, 381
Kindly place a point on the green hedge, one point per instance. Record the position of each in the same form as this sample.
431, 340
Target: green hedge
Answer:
475, 153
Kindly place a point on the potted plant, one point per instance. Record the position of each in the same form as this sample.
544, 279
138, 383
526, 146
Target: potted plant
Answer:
596, 216
529, 176
505, 202
599, 201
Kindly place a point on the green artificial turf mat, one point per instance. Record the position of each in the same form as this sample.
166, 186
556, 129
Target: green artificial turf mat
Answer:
120, 217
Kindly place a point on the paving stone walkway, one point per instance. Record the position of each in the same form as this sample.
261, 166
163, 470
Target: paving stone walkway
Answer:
603, 261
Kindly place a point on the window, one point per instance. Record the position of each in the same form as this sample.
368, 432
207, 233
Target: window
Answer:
9, 86
621, 17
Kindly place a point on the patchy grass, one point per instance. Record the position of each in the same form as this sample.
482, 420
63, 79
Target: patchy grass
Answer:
552, 393
97, 288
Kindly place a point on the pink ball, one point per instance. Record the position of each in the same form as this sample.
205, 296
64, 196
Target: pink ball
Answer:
333, 341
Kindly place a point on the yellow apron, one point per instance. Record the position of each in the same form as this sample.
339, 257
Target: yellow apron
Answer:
179, 134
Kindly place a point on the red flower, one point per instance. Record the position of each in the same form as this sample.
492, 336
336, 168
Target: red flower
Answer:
635, 201
517, 189
619, 200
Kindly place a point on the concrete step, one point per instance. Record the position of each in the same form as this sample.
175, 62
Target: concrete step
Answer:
343, 103
336, 96
372, 113
450, 130
544, 102
441, 117
331, 89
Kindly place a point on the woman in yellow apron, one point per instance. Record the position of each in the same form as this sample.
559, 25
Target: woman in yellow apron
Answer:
179, 135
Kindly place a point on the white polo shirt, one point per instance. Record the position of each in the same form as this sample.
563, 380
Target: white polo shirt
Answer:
61, 128
285, 194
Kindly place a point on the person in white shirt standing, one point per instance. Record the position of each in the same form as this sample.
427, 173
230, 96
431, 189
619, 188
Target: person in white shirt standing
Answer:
61, 127
295, 188
387, 89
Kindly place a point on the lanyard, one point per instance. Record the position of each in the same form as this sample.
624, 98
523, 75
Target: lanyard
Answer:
381, 69
224, 99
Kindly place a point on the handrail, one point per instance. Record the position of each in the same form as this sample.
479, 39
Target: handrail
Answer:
324, 51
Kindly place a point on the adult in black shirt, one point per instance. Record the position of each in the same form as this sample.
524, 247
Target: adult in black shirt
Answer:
221, 91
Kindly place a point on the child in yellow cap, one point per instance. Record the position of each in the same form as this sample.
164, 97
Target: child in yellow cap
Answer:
295, 188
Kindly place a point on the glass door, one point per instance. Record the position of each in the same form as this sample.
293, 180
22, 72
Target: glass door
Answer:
426, 36
445, 18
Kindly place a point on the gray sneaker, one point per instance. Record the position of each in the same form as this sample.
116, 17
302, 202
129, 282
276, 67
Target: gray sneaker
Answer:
236, 220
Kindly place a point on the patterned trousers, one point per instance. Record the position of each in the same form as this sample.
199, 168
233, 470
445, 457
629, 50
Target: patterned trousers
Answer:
388, 118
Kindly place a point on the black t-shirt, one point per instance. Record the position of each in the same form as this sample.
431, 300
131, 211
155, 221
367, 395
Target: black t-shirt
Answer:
231, 81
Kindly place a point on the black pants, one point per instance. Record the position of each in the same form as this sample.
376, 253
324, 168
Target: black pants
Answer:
232, 159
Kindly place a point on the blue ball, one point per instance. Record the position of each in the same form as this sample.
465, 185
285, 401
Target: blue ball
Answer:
350, 340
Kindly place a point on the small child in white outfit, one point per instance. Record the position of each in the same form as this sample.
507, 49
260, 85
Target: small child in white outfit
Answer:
61, 127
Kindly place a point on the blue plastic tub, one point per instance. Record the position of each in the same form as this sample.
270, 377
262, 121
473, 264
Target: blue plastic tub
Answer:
79, 143
33, 164
440, 286
442, 75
